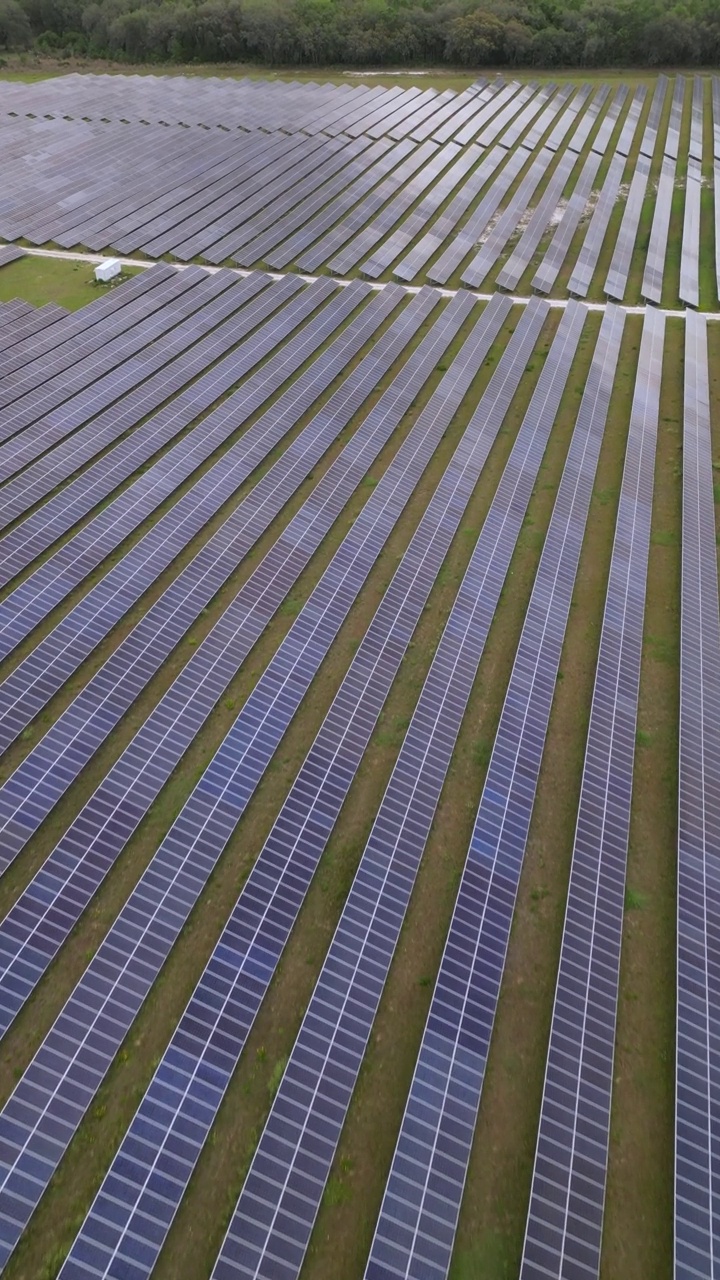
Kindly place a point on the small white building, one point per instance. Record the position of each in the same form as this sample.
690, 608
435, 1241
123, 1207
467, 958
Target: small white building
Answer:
108, 270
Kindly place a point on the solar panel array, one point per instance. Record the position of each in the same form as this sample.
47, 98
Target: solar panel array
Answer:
473, 188
188, 508
238, 973
273, 1219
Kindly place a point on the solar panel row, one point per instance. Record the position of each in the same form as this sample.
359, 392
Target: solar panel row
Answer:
564, 1226
416, 1226
273, 1220
696, 1121
690, 252
652, 281
657, 249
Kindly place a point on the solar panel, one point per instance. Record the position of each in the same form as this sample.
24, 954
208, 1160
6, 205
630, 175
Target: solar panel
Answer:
357, 218
649, 139
466, 239
10, 253
696, 1117
672, 140
441, 126
386, 254
415, 1230
617, 276
29, 321
434, 239
655, 264
59, 408
690, 254
651, 287
276, 1210
51, 352
272, 229
490, 124
289, 249
564, 1224
430, 113
263, 226
696, 120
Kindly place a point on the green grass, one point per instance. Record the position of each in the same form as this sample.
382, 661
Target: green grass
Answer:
634, 901
41, 280
33, 66
488, 1259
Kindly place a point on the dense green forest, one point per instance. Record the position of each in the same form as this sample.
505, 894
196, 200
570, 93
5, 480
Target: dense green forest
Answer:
501, 33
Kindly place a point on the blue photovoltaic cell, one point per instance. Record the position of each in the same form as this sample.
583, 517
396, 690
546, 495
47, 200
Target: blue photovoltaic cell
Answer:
416, 1227
564, 1225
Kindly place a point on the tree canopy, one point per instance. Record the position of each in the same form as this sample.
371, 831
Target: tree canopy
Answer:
497, 33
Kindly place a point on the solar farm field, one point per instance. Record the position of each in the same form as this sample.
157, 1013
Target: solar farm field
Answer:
359, 680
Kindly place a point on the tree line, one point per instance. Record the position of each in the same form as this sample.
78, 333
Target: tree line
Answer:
321, 33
